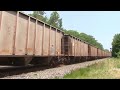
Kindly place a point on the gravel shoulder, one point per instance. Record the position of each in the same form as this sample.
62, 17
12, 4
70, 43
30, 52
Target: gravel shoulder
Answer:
52, 73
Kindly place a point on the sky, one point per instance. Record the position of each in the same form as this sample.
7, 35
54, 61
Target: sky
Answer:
102, 25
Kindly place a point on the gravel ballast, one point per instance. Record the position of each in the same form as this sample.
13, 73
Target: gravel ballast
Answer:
52, 73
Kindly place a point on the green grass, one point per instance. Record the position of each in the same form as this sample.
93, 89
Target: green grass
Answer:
108, 69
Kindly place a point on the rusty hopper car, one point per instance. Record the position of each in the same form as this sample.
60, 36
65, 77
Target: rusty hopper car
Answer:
76, 49
93, 52
99, 53
102, 53
23, 37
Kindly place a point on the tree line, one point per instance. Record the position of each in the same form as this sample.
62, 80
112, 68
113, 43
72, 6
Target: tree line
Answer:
116, 45
56, 21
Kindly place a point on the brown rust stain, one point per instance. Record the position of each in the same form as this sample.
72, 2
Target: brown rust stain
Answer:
20, 50
57, 51
5, 51
29, 49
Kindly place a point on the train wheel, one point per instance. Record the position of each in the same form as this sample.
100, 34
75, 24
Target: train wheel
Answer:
72, 60
66, 61
20, 61
52, 63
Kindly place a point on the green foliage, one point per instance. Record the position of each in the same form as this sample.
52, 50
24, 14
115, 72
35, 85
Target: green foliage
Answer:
73, 33
39, 15
41, 12
116, 45
60, 23
65, 31
118, 54
107, 69
55, 20
45, 19
106, 50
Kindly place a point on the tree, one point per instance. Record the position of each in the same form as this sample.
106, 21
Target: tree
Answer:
60, 23
41, 12
116, 45
45, 19
73, 33
55, 20
106, 50
39, 15
65, 31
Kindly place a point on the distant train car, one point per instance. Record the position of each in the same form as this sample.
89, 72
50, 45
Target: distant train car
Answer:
76, 49
103, 54
100, 53
92, 52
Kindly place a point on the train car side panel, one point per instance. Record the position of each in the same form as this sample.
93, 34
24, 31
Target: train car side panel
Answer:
38, 43
101, 53
73, 46
0, 19
95, 51
58, 42
81, 49
98, 52
52, 42
31, 37
60, 37
8, 25
77, 47
86, 49
91, 51
46, 40
21, 35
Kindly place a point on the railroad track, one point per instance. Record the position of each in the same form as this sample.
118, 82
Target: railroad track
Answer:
16, 70
43, 70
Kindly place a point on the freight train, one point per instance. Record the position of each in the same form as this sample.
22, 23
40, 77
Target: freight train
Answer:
26, 40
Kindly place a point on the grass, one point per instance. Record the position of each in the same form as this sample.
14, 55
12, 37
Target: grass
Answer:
108, 69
